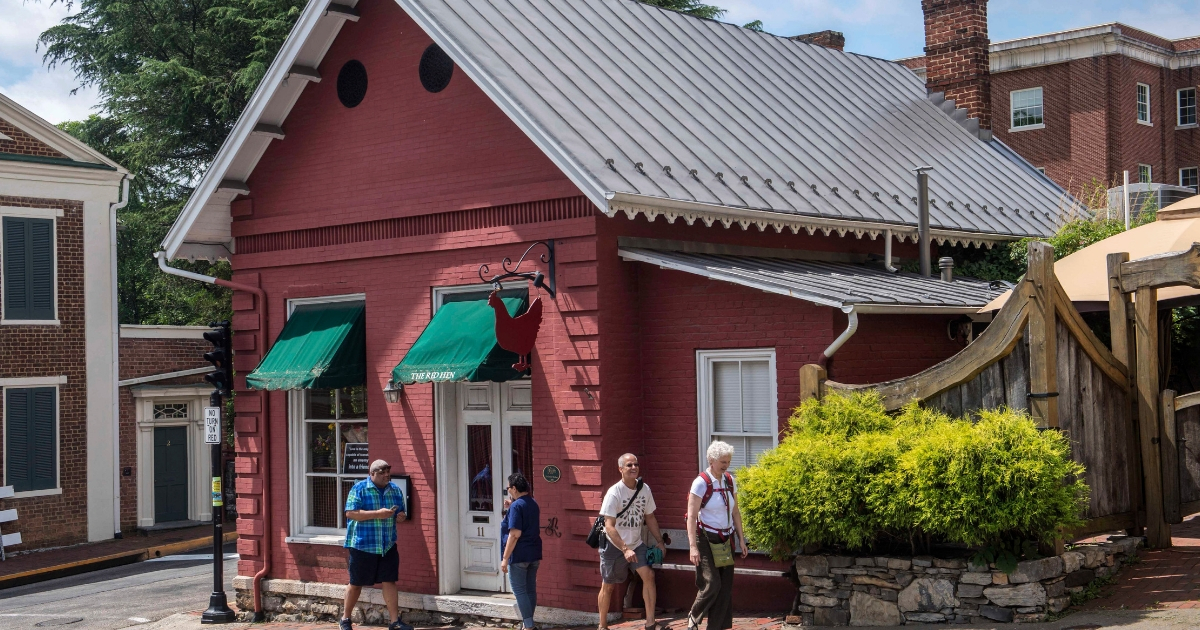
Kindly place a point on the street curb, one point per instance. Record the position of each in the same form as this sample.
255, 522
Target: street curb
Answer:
34, 576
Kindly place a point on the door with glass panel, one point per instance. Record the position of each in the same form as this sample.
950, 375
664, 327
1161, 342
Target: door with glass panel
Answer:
335, 440
495, 439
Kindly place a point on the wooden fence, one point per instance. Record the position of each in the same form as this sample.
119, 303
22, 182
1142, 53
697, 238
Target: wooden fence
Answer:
1039, 355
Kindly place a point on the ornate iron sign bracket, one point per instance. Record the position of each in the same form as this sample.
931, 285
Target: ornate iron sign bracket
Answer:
539, 279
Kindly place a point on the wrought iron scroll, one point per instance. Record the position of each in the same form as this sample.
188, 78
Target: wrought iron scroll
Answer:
539, 279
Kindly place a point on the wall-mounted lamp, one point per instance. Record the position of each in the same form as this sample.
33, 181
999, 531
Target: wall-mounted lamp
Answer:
392, 392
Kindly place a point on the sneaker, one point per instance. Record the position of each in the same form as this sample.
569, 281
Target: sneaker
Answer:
399, 625
344, 624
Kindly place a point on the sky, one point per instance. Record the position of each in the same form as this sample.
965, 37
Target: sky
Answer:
890, 29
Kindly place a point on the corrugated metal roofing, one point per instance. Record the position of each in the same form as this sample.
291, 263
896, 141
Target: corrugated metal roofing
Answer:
870, 289
763, 122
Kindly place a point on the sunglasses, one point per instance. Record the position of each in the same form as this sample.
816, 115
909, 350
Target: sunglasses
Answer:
382, 470
633, 465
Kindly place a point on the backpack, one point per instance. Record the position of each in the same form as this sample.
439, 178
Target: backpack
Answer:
708, 493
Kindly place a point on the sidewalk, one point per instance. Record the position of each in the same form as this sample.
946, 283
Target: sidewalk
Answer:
1163, 578
37, 566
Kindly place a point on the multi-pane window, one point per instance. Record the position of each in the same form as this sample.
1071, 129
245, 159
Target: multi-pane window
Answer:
1190, 178
171, 411
334, 434
1026, 107
30, 438
738, 402
1145, 175
28, 268
1187, 106
1143, 103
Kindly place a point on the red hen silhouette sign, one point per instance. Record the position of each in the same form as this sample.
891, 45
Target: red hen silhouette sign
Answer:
517, 334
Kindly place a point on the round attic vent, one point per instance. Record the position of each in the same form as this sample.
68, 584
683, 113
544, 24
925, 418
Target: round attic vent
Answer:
436, 69
352, 83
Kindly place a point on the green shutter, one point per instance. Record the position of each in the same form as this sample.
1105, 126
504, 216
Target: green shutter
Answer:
31, 457
17, 439
28, 268
16, 269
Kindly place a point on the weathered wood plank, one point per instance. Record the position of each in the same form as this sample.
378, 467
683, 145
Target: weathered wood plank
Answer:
1163, 270
1169, 449
1095, 348
1122, 340
991, 382
1112, 522
1016, 377
972, 396
1158, 531
812, 382
1187, 400
1043, 334
1187, 434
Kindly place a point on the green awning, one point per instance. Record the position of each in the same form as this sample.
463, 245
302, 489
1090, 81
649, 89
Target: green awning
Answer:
459, 344
321, 346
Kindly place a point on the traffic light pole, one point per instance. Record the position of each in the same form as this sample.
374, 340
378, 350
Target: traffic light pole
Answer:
218, 605
221, 356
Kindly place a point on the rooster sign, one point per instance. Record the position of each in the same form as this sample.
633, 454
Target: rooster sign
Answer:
517, 334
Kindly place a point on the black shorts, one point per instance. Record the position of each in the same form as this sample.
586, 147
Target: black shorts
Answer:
368, 569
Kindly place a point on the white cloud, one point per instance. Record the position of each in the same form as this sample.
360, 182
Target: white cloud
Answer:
23, 78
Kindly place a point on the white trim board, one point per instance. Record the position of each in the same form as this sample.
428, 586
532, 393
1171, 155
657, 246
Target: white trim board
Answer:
31, 213
34, 381
138, 331
164, 376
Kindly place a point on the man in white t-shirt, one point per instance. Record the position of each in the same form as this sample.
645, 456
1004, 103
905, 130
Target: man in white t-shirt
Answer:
624, 548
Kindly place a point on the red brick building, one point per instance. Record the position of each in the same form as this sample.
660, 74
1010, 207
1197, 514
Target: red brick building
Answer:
57, 332
712, 231
1083, 105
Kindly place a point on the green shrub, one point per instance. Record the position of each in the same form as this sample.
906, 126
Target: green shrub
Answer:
850, 474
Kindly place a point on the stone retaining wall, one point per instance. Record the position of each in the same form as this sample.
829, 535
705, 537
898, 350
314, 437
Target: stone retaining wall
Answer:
841, 590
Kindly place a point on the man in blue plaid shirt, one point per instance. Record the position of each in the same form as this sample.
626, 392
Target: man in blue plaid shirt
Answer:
373, 507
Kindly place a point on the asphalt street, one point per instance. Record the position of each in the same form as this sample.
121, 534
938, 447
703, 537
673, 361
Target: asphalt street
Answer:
120, 597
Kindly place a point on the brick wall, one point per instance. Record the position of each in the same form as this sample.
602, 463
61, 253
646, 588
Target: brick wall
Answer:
52, 351
829, 39
148, 357
956, 54
23, 143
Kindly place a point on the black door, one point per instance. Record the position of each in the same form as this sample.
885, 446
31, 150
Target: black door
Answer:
170, 474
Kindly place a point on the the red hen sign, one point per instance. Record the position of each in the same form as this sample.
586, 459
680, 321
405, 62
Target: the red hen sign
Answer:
517, 334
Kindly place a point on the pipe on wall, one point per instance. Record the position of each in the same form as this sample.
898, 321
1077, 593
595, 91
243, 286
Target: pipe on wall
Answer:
923, 218
851, 328
260, 305
887, 252
116, 351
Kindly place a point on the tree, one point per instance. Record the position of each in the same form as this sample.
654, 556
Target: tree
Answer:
173, 76
690, 7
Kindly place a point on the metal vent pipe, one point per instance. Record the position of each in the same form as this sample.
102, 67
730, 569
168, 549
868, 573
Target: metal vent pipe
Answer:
923, 218
946, 264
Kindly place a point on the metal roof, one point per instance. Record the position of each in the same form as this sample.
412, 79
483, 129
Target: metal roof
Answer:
869, 289
655, 112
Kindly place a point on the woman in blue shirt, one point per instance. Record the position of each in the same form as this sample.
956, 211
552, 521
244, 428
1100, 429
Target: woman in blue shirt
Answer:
521, 535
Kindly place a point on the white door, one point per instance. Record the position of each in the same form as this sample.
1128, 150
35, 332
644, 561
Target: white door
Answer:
495, 438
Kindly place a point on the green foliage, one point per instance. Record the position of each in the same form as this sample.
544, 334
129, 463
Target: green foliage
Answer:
690, 7
850, 474
756, 26
173, 76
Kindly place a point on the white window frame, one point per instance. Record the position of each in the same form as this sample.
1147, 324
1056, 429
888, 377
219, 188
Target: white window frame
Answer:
704, 392
1195, 172
299, 531
1179, 124
1143, 88
1149, 174
1012, 97
29, 383
54, 214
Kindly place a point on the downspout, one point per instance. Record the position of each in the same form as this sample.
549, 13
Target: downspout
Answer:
265, 464
887, 252
851, 328
116, 350
923, 219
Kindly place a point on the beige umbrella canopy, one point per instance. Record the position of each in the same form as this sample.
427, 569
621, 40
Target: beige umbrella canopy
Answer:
1084, 274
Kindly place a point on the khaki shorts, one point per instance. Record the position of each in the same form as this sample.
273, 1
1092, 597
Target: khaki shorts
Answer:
614, 568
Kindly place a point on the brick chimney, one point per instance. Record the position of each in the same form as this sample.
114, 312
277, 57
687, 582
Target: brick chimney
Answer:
956, 55
828, 39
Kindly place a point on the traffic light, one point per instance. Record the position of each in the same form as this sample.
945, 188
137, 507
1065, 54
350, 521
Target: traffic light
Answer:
221, 356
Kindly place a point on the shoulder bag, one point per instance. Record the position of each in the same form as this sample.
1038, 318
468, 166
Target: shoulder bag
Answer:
594, 537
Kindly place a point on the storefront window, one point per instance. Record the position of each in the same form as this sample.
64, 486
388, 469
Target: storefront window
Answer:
334, 452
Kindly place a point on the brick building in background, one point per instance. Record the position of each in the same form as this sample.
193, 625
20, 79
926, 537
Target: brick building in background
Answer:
57, 332
1084, 105
720, 212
